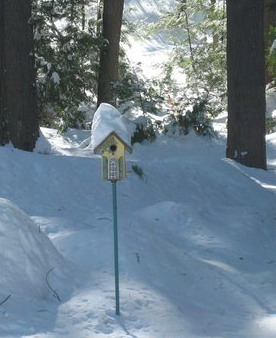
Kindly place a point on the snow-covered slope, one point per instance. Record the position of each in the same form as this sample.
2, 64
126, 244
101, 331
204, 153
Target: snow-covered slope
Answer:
152, 51
196, 242
27, 255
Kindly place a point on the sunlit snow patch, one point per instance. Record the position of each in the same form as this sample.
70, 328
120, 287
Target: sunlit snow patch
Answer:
266, 326
108, 119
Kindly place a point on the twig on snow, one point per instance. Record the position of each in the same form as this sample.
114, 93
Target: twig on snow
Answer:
55, 294
4, 301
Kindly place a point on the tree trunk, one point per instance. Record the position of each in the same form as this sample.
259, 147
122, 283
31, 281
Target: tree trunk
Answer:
3, 118
215, 35
109, 58
246, 82
19, 97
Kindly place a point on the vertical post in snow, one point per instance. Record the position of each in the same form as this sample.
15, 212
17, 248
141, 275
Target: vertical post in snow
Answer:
107, 142
116, 256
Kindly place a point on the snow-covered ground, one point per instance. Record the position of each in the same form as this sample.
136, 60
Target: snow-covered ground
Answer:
197, 235
197, 240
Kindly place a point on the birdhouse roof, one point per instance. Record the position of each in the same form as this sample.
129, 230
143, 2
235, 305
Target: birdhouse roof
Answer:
108, 121
128, 148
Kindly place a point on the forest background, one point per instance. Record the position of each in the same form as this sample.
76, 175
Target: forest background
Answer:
71, 39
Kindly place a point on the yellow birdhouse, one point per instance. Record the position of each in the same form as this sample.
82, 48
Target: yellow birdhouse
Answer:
112, 149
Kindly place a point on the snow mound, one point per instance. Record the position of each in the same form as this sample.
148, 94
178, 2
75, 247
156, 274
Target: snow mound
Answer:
108, 119
26, 255
270, 103
43, 146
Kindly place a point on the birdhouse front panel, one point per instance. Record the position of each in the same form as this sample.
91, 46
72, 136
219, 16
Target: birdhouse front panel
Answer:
113, 159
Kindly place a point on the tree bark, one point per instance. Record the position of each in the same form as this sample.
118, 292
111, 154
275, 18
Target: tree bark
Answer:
246, 82
109, 57
19, 104
3, 118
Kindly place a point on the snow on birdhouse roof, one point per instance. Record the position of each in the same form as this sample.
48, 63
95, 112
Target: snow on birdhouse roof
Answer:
108, 120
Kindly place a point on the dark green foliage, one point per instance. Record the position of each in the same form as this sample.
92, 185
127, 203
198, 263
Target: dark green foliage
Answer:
143, 132
197, 119
270, 125
271, 53
197, 30
132, 90
67, 60
66, 50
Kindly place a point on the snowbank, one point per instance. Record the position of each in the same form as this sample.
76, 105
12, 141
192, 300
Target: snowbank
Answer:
106, 120
270, 103
26, 255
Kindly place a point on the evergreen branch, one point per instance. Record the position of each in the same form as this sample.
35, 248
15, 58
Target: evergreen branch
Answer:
55, 29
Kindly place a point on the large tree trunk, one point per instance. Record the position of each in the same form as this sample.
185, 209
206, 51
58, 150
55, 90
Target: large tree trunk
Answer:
3, 118
19, 103
109, 58
246, 82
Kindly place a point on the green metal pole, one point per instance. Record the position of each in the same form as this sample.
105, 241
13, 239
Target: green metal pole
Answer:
116, 256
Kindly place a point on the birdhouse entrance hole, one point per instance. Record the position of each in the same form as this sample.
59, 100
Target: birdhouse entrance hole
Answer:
113, 148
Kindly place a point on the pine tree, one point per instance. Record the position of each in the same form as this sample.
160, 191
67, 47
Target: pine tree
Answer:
246, 82
67, 48
197, 28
